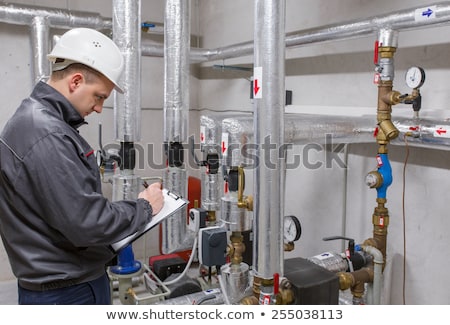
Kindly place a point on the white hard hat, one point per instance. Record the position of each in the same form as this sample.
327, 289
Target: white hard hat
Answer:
91, 48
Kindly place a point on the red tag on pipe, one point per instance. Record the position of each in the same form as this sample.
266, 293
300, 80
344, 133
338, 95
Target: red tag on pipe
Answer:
375, 53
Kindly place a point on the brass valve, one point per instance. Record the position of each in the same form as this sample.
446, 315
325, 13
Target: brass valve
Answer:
243, 201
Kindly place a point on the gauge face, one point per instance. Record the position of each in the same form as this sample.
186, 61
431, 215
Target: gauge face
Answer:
415, 77
292, 229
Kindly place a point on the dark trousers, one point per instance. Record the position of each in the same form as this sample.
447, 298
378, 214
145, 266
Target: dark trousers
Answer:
95, 292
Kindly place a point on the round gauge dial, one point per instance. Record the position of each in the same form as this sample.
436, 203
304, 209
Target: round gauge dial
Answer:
415, 77
292, 229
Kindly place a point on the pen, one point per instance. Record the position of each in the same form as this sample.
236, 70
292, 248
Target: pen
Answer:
145, 184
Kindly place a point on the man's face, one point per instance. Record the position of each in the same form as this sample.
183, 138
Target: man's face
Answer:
90, 96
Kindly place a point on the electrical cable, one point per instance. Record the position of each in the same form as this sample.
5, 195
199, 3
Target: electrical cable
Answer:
188, 265
403, 215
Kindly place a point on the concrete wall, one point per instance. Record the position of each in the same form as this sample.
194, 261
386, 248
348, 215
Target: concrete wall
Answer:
331, 78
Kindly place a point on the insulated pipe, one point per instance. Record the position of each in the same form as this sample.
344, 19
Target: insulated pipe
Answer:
127, 36
176, 70
399, 20
127, 108
315, 128
268, 110
40, 43
176, 109
17, 14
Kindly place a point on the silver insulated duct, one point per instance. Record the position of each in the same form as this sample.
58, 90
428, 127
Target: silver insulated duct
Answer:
40, 46
127, 36
176, 109
269, 57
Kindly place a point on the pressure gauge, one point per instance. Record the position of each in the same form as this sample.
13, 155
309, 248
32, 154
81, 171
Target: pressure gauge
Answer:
292, 229
415, 77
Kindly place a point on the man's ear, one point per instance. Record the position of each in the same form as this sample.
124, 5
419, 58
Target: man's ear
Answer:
75, 81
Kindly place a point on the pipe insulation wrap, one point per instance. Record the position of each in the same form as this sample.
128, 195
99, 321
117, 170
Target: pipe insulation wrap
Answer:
399, 20
18, 14
315, 128
127, 36
40, 46
175, 236
268, 207
176, 70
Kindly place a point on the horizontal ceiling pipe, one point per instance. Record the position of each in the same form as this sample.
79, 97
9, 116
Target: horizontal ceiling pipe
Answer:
400, 20
301, 129
18, 14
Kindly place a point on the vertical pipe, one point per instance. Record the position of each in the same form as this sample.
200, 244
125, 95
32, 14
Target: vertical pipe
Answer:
269, 135
127, 36
176, 70
40, 34
176, 108
127, 109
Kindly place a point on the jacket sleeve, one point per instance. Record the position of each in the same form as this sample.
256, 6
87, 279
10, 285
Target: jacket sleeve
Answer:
65, 190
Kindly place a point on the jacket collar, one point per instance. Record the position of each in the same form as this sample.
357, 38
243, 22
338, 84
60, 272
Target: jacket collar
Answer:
61, 106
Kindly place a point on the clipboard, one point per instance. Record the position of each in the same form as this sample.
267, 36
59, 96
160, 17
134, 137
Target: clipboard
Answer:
172, 203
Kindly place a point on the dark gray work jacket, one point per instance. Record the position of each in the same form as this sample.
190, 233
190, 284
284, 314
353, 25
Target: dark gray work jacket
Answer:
55, 224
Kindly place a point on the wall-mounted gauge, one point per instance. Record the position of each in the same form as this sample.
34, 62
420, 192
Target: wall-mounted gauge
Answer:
415, 77
292, 229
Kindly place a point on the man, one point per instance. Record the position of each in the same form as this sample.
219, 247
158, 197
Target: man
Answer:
55, 224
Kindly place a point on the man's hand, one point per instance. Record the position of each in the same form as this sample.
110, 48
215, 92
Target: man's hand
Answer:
153, 194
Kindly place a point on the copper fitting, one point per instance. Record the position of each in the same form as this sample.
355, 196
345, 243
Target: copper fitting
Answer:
238, 247
355, 280
286, 294
211, 216
258, 282
247, 201
288, 247
386, 52
249, 300
346, 280
256, 286
380, 221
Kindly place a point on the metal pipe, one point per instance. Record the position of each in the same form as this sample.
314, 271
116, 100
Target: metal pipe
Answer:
268, 111
127, 36
40, 46
377, 272
17, 14
176, 70
401, 20
176, 109
315, 128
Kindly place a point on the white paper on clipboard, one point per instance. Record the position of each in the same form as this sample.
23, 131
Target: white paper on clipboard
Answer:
172, 203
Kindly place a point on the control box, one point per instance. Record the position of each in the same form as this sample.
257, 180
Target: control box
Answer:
212, 247
197, 219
